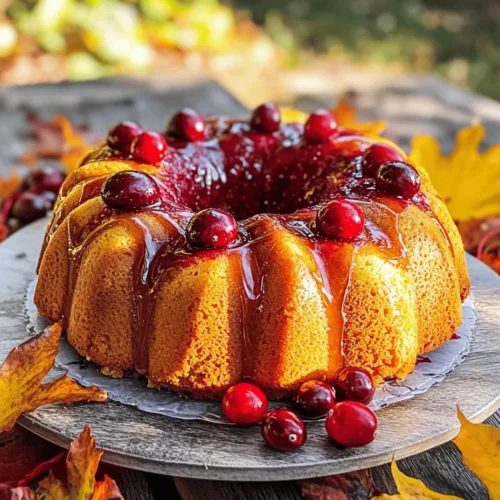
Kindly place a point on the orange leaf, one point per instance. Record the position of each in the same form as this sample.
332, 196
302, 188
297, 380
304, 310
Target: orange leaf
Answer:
410, 488
346, 117
9, 185
75, 146
21, 375
480, 447
81, 466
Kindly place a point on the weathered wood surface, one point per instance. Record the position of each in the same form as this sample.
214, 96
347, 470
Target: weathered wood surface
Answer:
412, 105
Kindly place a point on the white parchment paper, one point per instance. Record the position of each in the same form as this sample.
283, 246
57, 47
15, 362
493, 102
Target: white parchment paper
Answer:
134, 392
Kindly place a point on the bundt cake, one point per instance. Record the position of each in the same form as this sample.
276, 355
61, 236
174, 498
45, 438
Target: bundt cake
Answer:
227, 250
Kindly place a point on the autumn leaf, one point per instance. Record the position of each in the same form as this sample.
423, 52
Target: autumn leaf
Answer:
9, 185
81, 466
21, 375
57, 139
480, 447
467, 180
346, 116
410, 488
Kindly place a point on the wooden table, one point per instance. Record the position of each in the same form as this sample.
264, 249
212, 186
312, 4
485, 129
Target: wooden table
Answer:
412, 105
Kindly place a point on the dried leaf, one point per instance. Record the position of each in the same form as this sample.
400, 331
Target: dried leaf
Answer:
345, 115
82, 462
9, 185
21, 375
81, 466
56, 139
410, 488
467, 180
51, 488
480, 447
352, 485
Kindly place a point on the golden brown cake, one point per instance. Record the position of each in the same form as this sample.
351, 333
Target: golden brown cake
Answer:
343, 254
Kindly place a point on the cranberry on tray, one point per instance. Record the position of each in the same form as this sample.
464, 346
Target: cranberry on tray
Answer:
354, 384
244, 404
284, 430
314, 399
351, 424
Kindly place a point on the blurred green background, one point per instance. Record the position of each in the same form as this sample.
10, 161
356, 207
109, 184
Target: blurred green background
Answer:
55, 39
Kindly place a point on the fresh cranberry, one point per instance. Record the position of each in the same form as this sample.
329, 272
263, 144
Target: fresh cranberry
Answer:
149, 147
212, 228
44, 179
340, 219
283, 430
376, 155
351, 424
354, 384
244, 404
399, 179
319, 127
49, 195
29, 207
314, 399
187, 125
122, 135
266, 118
130, 190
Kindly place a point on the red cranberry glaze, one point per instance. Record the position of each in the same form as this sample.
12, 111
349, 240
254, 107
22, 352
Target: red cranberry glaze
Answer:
320, 127
340, 220
130, 190
212, 228
354, 384
378, 154
283, 430
266, 118
399, 179
149, 147
187, 125
29, 207
244, 404
44, 179
351, 424
122, 135
314, 399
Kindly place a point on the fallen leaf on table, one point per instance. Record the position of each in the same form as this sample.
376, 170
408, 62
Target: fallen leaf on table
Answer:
56, 139
345, 115
467, 180
81, 466
9, 185
21, 375
410, 488
480, 447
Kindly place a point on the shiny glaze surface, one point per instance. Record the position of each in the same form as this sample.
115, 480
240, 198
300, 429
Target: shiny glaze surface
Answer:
273, 183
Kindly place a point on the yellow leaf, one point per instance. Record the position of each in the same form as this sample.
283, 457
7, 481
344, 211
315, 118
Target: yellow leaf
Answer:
52, 488
410, 488
480, 447
9, 185
21, 375
467, 180
81, 464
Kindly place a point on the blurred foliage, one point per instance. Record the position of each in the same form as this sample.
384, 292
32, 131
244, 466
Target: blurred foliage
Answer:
101, 37
459, 40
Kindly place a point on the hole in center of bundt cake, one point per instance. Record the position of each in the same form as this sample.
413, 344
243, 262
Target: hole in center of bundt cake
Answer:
278, 185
